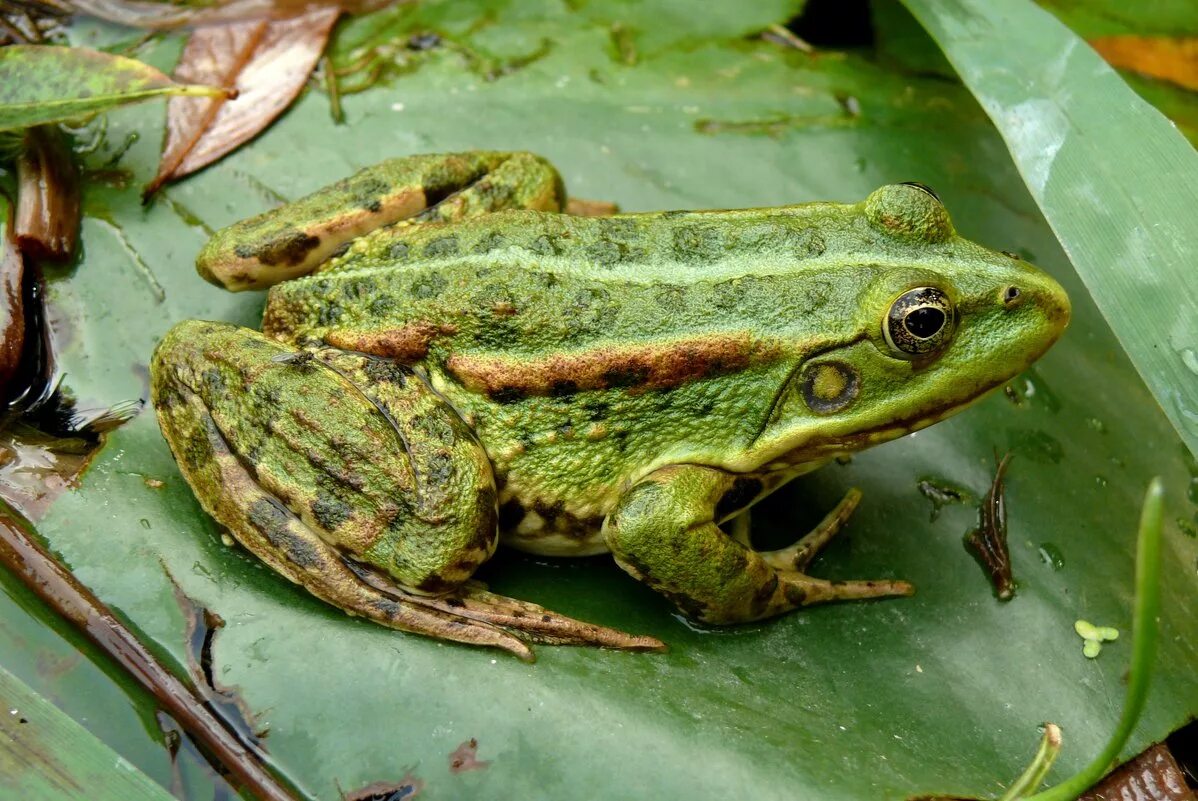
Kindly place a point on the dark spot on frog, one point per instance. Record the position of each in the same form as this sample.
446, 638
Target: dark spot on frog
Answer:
494, 196
507, 395
590, 297
456, 603
340, 250
626, 377
438, 468
744, 490
598, 410
429, 286
546, 245
510, 514
214, 384
329, 313
330, 512
272, 521
565, 430
726, 295
441, 247
359, 289
671, 298
697, 243
808, 243
606, 252
563, 388
386, 607
546, 618
288, 247
382, 306
399, 251
763, 595
490, 241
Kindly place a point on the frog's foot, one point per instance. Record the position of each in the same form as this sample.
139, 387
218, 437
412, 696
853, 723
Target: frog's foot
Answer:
296, 238
526, 621
663, 533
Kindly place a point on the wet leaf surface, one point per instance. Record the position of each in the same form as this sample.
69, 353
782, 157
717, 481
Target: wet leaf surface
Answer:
940, 693
267, 62
41, 84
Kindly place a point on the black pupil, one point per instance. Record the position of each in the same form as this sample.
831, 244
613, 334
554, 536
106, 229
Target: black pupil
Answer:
924, 321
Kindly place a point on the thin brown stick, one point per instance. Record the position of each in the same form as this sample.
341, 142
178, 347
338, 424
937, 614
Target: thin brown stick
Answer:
55, 585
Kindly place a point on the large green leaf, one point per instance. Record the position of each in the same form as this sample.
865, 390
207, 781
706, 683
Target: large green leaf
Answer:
938, 693
1116, 180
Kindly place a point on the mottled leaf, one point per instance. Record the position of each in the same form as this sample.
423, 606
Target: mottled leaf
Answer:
267, 62
42, 83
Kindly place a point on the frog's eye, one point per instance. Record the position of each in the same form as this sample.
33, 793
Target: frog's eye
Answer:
920, 322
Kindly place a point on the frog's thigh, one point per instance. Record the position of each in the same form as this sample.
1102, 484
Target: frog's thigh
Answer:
295, 238
359, 450
663, 532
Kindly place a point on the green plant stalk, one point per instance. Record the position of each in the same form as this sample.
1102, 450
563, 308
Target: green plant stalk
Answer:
1145, 635
1050, 747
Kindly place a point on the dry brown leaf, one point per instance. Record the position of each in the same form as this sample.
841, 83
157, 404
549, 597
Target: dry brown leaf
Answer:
156, 15
1172, 59
266, 61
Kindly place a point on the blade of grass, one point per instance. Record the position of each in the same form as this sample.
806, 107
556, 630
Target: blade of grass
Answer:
1116, 180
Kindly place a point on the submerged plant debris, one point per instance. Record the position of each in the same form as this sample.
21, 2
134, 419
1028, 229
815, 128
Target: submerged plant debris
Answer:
988, 542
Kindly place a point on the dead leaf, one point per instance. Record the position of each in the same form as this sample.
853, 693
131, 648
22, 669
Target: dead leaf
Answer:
1172, 59
267, 62
156, 15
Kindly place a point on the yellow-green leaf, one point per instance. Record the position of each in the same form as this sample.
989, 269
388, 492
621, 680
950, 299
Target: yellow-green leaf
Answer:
41, 84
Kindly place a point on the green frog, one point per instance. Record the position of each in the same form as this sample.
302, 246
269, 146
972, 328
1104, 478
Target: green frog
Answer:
448, 360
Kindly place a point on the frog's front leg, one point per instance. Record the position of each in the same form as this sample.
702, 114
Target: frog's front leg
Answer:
664, 532
294, 239
348, 475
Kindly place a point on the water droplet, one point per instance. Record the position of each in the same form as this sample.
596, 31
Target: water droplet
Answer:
145, 523
1096, 424
1189, 417
1190, 359
1051, 555
1100, 481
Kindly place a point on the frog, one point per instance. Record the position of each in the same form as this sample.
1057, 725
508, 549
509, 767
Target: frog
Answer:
449, 360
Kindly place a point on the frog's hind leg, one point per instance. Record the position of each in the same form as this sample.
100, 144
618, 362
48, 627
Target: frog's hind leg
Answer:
294, 239
663, 531
321, 462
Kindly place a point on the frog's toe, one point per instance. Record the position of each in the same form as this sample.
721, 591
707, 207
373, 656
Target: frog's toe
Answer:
798, 556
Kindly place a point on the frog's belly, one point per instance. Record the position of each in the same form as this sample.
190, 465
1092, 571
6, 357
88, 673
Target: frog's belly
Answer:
550, 532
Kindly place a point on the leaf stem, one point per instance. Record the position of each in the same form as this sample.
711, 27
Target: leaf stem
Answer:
1145, 635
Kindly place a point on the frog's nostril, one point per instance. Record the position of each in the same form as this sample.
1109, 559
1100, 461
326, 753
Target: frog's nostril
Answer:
1011, 296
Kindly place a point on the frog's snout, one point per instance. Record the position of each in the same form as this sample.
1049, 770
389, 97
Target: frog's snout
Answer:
1044, 295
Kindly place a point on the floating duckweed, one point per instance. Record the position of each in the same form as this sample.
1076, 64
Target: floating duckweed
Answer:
1094, 636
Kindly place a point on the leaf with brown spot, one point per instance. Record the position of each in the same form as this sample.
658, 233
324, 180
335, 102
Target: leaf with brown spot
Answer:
40, 84
1173, 59
267, 63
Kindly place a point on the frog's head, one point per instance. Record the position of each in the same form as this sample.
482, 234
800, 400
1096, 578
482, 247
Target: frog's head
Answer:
938, 323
